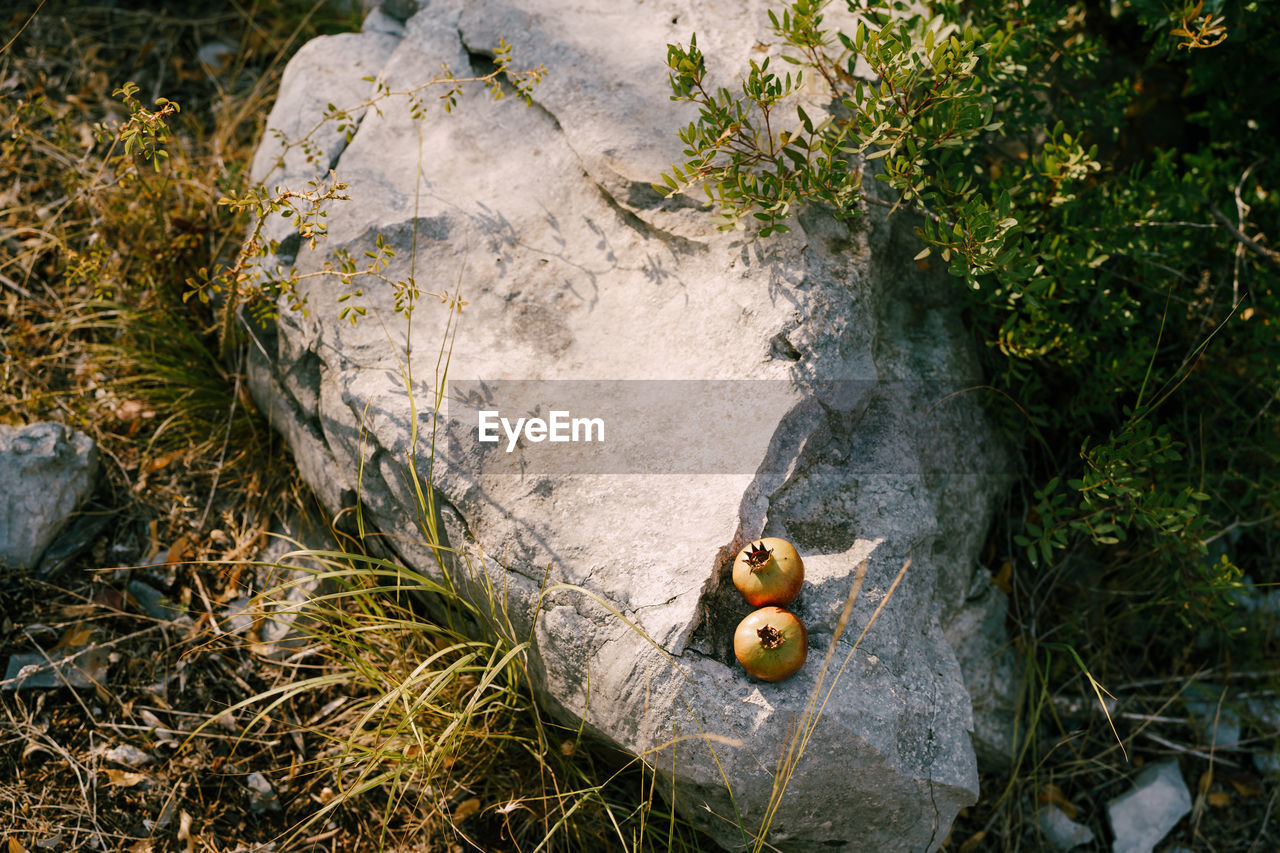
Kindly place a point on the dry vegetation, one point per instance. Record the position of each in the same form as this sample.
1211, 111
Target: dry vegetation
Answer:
96, 249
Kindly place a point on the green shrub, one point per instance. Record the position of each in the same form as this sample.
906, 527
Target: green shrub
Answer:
1101, 180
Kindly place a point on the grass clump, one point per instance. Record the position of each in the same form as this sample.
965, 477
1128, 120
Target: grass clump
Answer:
437, 730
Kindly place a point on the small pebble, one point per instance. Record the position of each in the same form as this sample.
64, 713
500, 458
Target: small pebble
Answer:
1145, 814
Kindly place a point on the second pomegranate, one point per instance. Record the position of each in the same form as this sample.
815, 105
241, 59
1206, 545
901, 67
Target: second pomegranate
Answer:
768, 571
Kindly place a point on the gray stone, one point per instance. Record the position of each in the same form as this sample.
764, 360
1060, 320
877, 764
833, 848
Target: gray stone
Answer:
128, 754
1142, 816
46, 472
1218, 722
1264, 716
56, 668
216, 57
153, 602
1061, 831
262, 797
398, 10
821, 365
71, 542
380, 21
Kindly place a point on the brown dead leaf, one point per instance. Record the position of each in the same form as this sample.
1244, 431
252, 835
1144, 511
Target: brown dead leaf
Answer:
973, 842
153, 533
1206, 781
1004, 578
1246, 784
466, 809
180, 550
75, 637
164, 459
94, 664
15, 846
1053, 795
109, 598
233, 582
124, 778
1219, 799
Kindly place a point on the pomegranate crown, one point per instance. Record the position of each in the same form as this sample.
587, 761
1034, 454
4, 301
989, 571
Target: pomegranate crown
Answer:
759, 555
770, 637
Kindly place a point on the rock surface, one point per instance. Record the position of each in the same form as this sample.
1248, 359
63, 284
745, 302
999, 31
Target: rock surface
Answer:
1213, 715
47, 470
1142, 816
815, 371
1060, 830
56, 668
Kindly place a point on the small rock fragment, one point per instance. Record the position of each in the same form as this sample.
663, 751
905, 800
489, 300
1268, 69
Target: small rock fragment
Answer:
71, 542
47, 470
1061, 831
30, 670
239, 615
1264, 718
153, 602
378, 21
289, 580
127, 754
216, 56
1145, 814
262, 797
1219, 725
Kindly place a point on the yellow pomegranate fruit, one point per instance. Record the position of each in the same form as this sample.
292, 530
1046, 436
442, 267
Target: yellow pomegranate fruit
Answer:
769, 571
771, 644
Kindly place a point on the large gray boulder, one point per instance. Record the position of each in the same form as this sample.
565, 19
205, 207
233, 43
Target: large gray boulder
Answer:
46, 471
803, 387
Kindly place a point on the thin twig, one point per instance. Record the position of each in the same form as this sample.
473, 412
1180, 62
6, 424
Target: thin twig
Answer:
1272, 259
29, 19
1189, 751
15, 287
208, 603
